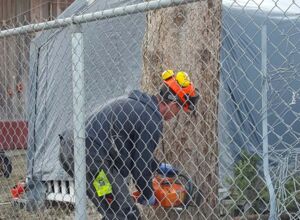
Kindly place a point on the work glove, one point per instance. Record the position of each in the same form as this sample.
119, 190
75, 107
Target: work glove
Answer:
151, 201
167, 169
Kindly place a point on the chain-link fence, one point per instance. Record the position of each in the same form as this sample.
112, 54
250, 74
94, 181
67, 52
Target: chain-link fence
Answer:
97, 118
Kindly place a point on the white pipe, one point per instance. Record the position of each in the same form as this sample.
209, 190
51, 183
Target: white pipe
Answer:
79, 125
100, 15
273, 212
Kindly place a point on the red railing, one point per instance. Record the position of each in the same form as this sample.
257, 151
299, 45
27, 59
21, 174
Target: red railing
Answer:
13, 135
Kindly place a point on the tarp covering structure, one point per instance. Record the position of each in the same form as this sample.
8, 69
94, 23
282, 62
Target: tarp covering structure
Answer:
113, 66
112, 51
240, 99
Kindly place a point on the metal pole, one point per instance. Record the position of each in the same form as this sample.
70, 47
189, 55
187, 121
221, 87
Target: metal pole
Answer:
100, 15
5, 81
273, 212
79, 124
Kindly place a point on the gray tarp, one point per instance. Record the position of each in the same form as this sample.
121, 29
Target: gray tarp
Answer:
240, 99
112, 53
113, 66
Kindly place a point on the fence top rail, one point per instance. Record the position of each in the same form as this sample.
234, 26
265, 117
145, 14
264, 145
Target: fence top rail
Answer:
99, 15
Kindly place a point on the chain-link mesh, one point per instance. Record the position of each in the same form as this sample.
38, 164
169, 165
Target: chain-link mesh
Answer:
83, 98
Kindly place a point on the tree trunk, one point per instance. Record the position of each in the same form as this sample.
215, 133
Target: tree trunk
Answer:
187, 38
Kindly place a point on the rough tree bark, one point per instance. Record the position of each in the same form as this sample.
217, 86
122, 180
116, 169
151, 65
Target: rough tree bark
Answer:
187, 38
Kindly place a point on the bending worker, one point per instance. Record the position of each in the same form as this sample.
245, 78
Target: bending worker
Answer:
120, 140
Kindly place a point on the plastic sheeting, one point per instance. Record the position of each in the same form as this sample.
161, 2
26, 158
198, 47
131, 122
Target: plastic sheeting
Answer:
112, 50
240, 100
113, 63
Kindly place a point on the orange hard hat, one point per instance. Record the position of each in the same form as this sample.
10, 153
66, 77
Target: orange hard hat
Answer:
182, 89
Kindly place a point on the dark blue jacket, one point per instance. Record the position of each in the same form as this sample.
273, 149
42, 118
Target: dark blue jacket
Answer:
127, 131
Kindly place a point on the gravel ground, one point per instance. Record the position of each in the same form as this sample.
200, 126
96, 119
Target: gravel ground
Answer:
57, 211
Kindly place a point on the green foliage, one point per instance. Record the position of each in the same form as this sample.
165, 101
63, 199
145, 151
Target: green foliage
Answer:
292, 188
249, 187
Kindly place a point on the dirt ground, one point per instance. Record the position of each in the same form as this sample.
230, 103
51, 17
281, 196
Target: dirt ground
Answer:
57, 211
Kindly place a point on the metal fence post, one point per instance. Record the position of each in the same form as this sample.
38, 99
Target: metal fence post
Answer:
265, 124
79, 124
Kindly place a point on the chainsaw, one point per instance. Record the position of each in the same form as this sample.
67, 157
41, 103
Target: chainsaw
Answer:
173, 189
